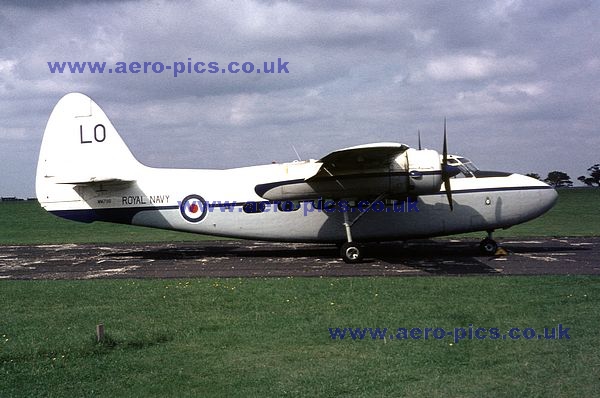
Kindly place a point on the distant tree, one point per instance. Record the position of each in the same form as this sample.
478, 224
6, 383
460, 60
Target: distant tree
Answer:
558, 179
534, 175
594, 177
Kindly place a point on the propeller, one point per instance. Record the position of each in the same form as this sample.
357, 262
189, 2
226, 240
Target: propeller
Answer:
419, 133
447, 170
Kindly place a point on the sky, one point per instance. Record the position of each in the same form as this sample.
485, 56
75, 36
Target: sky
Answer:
518, 81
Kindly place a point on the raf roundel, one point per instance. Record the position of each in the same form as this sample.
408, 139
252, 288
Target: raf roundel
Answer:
193, 208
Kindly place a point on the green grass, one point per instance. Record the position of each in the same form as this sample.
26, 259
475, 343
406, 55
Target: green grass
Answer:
269, 337
21, 223
26, 223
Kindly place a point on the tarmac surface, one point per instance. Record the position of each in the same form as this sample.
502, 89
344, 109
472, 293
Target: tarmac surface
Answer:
543, 256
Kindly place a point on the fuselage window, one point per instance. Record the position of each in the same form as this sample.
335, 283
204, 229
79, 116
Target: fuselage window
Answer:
288, 205
254, 207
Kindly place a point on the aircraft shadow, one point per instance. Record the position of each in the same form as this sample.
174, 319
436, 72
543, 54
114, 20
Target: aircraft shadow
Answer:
195, 253
432, 257
426, 256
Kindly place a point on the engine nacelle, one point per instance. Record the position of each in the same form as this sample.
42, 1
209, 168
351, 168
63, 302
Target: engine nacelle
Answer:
417, 172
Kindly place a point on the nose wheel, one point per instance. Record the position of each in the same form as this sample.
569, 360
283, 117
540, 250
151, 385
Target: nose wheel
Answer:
488, 245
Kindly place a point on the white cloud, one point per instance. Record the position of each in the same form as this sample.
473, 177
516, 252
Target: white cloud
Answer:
423, 36
502, 9
7, 66
475, 67
530, 89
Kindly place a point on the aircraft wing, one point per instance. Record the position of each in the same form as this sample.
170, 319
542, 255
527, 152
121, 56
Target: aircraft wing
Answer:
358, 159
357, 172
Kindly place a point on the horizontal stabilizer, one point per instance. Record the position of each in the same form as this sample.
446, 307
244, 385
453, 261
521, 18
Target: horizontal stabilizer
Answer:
94, 180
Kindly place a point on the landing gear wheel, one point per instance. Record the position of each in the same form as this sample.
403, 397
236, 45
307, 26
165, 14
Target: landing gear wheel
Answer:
488, 246
351, 253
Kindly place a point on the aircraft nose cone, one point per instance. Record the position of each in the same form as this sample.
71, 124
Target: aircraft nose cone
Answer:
547, 196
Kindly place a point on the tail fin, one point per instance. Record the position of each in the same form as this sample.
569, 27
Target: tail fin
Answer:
80, 146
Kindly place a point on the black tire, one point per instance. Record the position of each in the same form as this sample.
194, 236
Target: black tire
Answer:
488, 246
351, 253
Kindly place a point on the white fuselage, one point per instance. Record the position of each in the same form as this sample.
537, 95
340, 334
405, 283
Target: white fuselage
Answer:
155, 198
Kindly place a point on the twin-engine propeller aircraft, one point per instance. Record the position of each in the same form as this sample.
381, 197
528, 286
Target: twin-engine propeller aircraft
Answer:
374, 192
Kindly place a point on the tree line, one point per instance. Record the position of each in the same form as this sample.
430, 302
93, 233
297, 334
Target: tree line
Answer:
559, 179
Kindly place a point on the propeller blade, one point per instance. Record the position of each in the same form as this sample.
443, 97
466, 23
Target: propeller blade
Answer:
419, 133
446, 174
448, 192
445, 150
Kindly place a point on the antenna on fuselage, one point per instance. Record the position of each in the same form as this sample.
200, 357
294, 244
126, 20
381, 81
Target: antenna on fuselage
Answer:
297, 155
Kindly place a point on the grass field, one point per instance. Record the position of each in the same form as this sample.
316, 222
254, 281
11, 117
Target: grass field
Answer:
269, 337
575, 214
26, 223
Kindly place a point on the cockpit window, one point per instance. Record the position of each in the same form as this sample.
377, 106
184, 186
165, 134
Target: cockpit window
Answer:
466, 167
466, 162
464, 172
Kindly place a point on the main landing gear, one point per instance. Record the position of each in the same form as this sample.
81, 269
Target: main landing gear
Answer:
352, 252
488, 245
